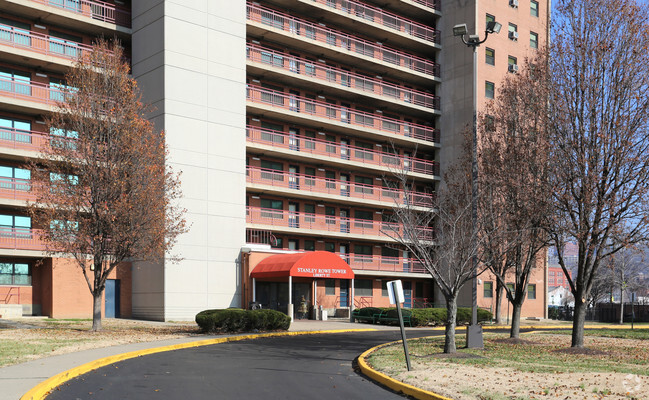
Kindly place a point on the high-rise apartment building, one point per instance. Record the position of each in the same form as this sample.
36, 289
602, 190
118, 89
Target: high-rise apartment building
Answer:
287, 118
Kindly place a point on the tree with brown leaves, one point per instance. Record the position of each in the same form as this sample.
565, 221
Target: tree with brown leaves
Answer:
515, 207
599, 135
105, 194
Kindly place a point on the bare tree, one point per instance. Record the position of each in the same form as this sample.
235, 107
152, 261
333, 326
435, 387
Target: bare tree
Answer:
448, 254
105, 193
623, 271
514, 172
599, 137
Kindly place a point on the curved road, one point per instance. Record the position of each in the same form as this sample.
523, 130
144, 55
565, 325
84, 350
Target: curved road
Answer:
291, 367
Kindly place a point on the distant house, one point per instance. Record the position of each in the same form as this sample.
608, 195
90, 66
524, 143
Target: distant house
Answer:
560, 296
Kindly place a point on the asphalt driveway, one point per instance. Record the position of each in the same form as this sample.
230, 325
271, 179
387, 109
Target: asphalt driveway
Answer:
290, 367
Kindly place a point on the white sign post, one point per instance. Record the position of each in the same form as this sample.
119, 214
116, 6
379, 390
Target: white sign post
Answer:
395, 292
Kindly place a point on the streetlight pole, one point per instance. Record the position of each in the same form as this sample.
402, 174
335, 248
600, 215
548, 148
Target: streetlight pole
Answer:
474, 331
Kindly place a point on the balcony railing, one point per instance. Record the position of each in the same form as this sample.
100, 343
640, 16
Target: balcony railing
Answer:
98, 10
20, 139
338, 151
24, 89
329, 223
355, 118
384, 18
44, 44
21, 239
308, 183
348, 43
382, 263
434, 4
337, 76
16, 189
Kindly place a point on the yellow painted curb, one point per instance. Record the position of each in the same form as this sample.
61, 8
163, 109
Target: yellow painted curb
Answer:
44, 388
394, 384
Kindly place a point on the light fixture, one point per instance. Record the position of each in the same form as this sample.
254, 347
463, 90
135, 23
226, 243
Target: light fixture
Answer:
493, 27
459, 30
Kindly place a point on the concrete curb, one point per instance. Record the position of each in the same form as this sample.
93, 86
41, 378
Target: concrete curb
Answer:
40, 391
394, 384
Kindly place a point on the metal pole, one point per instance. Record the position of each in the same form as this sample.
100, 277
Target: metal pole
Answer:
403, 329
474, 331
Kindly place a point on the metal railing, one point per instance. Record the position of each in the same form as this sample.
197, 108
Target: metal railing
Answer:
384, 18
434, 4
16, 189
21, 239
353, 117
329, 223
334, 150
363, 301
40, 43
96, 9
27, 90
21, 139
340, 77
348, 43
382, 263
308, 183
6, 293
260, 236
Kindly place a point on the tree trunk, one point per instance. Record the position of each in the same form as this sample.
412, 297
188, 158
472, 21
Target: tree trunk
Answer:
515, 329
499, 301
96, 310
451, 318
621, 306
578, 323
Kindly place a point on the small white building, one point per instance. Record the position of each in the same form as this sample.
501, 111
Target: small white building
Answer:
560, 296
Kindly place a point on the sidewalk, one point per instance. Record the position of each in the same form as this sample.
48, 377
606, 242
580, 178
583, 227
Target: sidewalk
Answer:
16, 380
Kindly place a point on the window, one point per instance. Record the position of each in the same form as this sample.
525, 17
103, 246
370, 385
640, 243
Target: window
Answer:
534, 8
271, 166
363, 185
510, 287
272, 94
512, 64
309, 143
275, 137
330, 247
64, 230
330, 287
15, 81
534, 40
15, 178
309, 179
362, 250
513, 31
309, 245
330, 148
488, 290
489, 90
15, 274
330, 177
292, 244
490, 56
490, 123
531, 292
272, 208
14, 31
58, 89
363, 287
364, 219
272, 58
65, 138
365, 151
59, 182
309, 217
384, 288
15, 226
15, 130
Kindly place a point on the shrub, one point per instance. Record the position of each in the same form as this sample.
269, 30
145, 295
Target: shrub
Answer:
428, 316
238, 320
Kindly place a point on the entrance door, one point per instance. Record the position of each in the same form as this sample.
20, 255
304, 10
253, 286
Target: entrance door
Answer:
293, 142
343, 250
344, 293
407, 294
344, 149
344, 220
293, 103
293, 180
273, 295
111, 302
301, 290
344, 186
293, 219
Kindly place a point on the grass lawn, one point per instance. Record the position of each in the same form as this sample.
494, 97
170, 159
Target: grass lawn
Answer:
541, 352
14, 351
641, 334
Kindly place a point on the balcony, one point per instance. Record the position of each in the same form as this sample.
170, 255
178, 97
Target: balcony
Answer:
341, 79
97, 10
313, 33
42, 44
16, 189
370, 15
321, 224
19, 89
11, 138
383, 264
345, 189
340, 116
21, 239
339, 152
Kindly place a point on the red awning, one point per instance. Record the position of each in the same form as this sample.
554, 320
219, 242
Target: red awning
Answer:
314, 264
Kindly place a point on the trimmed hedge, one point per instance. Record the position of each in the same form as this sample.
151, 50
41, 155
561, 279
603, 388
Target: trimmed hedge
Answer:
238, 320
430, 316
368, 311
